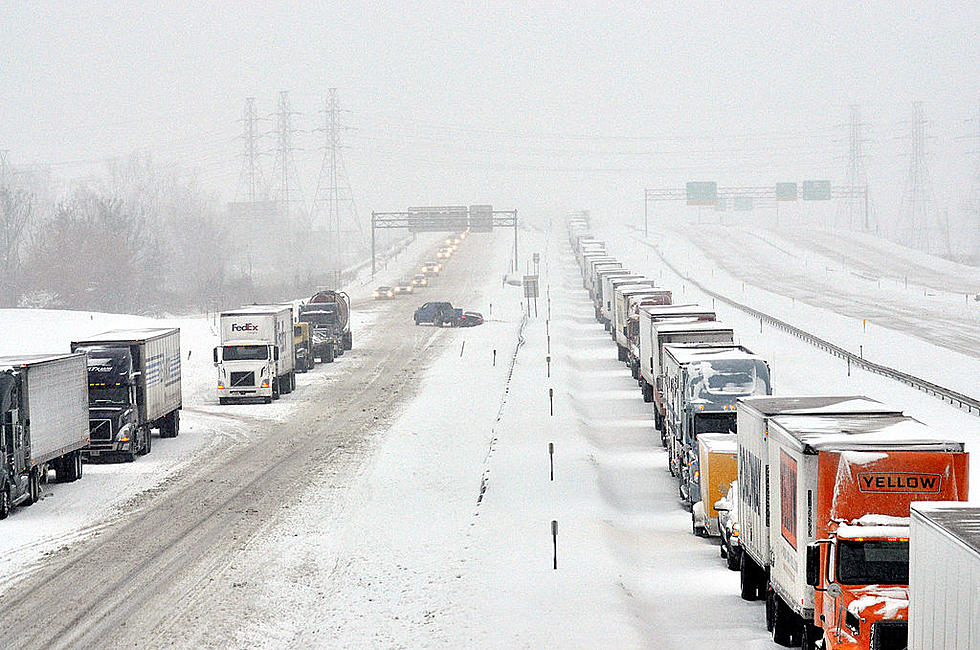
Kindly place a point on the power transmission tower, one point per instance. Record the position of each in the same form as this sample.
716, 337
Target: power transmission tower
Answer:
333, 201
854, 209
921, 222
287, 186
251, 182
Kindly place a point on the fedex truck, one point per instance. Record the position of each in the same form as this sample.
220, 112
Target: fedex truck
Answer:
256, 359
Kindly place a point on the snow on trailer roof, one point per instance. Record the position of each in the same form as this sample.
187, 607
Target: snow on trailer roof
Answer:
881, 432
722, 443
849, 531
693, 325
255, 309
818, 405
696, 352
133, 334
33, 359
960, 520
683, 309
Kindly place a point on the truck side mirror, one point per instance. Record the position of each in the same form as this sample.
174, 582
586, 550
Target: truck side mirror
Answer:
813, 564
275, 353
721, 505
215, 356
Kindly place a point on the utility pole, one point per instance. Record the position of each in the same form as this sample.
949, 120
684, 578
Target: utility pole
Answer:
250, 181
288, 189
855, 207
334, 190
919, 203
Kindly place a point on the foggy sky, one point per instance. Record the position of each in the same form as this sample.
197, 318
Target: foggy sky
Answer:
503, 102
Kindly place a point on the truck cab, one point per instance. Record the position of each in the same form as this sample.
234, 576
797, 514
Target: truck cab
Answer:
246, 369
113, 401
323, 319
860, 575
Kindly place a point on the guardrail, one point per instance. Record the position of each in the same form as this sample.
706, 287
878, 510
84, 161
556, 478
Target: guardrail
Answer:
955, 398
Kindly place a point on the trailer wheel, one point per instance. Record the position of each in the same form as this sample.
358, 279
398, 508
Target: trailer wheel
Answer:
749, 590
79, 464
732, 559
148, 442
785, 626
175, 422
809, 637
5, 502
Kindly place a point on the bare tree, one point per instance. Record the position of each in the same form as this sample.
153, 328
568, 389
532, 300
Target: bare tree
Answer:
16, 211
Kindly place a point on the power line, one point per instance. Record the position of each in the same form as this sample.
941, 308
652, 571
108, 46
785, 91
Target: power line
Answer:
251, 179
287, 186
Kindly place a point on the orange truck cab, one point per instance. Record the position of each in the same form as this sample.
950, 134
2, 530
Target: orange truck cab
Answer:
840, 505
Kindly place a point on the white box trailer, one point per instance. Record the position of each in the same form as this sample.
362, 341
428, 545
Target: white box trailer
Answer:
752, 430
44, 420
622, 309
944, 576
608, 293
592, 274
646, 316
256, 357
588, 268
601, 276
617, 286
134, 386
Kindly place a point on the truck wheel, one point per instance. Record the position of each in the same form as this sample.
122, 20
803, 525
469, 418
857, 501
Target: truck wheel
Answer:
34, 489
749, 591
348, 341
148, 442
784, 625
267, 400
809, 636
275, 389
4, 502
79, 464
732, 557
329, 357
128, 456
175, 422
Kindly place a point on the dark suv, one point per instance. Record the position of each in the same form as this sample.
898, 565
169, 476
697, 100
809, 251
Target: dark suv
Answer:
438, 313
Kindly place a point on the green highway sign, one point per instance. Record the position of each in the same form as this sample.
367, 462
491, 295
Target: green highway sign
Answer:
816, 190
742, 203
786, 192
702, 193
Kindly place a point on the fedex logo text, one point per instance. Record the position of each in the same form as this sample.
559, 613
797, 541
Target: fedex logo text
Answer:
244, 327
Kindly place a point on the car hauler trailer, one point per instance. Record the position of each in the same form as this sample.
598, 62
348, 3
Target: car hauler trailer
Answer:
256, 358
944, 576
840, 497
701, 385
134, 386
44, 422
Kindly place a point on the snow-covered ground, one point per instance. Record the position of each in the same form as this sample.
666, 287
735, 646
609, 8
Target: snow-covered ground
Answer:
68, 511
443, 538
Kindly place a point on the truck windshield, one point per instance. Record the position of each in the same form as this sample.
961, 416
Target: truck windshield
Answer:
319, 318
714, 422
872, 562
720, 382
245, 352
109, 374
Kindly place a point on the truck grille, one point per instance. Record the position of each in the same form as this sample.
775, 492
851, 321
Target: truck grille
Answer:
890, 635
100, 429
242, 379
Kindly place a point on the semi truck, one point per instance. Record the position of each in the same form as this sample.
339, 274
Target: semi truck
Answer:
622, 306
944, 576
44, 410
607, 311
646, 317
600, 278
753, 416
328, 313
133, 387
668, 330
607, 292
255, 358
303, 347
655, 298
701, 383
841, 489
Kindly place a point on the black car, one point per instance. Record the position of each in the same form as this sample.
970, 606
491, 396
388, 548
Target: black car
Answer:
438, 313
470, 319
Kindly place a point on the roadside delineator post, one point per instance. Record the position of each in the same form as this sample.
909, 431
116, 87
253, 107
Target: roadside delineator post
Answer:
495, 357
461, 348
551, 400
554, 541
548, 361
551, 454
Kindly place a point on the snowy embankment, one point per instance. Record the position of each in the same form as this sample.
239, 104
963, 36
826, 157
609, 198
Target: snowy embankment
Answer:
828, 299
68, 511
800, 369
